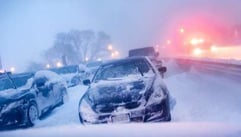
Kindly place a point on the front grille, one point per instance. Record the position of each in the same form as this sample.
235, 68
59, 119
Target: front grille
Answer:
138, 113
137, 119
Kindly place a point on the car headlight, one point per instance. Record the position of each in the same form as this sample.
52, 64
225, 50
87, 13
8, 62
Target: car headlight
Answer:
157, 96
87, 112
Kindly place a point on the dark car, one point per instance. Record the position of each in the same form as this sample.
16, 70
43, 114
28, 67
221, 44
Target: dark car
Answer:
150, 52
146, 51
125, 90
25, 103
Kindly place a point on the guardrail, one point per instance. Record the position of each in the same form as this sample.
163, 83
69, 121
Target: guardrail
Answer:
220, 68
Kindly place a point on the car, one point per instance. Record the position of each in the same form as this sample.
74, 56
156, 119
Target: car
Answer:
146, 51
72, 74
126, 90
150, 52
23, 105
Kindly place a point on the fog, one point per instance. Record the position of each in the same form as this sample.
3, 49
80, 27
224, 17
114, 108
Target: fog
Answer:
28, 27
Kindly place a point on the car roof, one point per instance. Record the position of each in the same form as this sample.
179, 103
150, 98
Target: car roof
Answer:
117, 61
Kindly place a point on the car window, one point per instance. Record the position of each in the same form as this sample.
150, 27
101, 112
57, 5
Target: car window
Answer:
144, 66
6, 84
41, 81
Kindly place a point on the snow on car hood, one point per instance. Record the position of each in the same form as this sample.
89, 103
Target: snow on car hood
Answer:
11, 95
107, 95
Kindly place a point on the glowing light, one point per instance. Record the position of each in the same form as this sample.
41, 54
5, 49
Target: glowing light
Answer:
197, 41
169, 42
181, 30
197, 52
99, 59
228, 52
112, 55
116, 53
194, 41
59, 64
2, 71
110, 47
47, 66
214, 49
86, 59
12, 69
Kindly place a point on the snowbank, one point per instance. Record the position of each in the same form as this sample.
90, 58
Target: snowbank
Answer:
133, 130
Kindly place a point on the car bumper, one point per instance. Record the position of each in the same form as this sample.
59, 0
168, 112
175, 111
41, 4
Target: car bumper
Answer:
152, 113
11, 118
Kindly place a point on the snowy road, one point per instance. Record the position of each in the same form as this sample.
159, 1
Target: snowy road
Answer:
203, 97
200, 98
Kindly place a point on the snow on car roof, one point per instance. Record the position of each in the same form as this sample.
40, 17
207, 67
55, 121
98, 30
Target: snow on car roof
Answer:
52, 76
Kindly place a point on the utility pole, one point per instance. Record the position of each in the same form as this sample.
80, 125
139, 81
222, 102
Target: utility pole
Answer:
1, 66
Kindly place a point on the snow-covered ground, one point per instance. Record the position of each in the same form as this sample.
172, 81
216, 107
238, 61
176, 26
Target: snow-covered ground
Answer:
206, 103
133, 130
203, 97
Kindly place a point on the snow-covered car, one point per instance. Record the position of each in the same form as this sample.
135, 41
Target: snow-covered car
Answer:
126, 90
23, 105
73, 74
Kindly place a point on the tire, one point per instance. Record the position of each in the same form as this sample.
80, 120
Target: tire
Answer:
32, 114
169, 118
81, 119
167, 112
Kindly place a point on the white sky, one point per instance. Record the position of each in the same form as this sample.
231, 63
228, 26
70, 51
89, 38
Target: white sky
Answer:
28, 27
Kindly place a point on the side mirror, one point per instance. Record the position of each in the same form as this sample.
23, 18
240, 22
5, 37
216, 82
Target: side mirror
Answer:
86, 82
162, 70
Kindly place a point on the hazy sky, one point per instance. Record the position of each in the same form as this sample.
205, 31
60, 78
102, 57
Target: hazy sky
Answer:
28, 27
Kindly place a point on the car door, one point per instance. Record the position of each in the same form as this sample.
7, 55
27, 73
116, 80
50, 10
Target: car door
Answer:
57, 92
44, 93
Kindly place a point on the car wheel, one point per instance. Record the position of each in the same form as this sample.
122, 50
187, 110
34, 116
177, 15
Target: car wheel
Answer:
32, 114
80, 119
169, 117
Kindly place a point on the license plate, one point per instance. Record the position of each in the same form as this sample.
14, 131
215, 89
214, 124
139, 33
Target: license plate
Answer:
121, 118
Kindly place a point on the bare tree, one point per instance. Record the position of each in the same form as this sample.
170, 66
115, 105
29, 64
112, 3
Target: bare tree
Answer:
34, 66
77, 45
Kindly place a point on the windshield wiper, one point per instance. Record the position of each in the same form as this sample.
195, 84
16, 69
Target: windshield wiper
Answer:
140, 71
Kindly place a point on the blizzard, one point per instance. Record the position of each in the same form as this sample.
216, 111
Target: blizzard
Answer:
205, 104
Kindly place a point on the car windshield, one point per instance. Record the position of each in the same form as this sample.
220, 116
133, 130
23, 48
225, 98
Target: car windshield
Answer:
21, 79
66, 70
93, 64
5, 84
122, 69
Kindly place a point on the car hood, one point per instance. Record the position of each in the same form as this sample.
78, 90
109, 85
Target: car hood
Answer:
107, 96
12, 95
